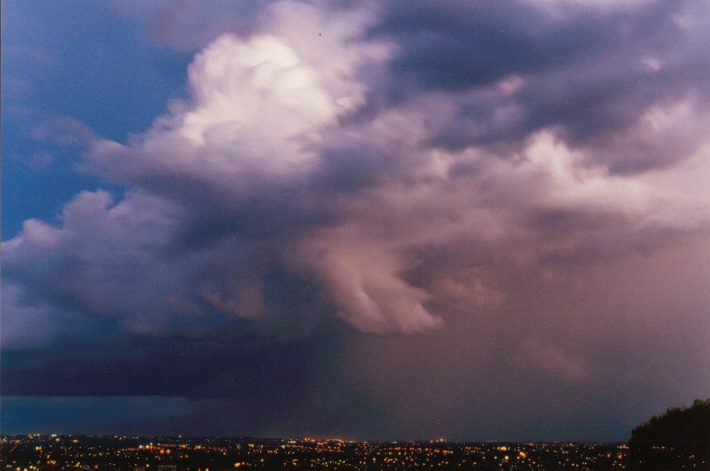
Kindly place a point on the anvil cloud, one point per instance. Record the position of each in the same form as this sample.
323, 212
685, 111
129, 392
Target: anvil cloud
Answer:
459, 206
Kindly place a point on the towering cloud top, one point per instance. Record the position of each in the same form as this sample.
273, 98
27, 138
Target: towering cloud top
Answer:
404, 168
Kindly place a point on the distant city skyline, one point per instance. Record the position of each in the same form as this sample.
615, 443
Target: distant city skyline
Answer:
370, 220
183, 453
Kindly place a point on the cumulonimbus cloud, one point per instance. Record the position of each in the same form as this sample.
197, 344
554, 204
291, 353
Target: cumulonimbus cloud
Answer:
271, 164
513, 199
513, 190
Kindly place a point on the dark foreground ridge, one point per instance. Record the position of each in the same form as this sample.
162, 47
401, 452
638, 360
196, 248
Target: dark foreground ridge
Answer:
678, 439
54, 452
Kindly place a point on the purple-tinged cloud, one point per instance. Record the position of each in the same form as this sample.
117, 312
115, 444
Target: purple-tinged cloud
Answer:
509, 185
267, 144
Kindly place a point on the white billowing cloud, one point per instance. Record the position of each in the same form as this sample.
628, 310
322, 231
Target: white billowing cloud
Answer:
269, 164
560, 180
663, 134
256, 110
364, 278
105, 259
258, 84
259, 106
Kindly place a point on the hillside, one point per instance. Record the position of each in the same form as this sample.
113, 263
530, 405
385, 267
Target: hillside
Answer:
676, 440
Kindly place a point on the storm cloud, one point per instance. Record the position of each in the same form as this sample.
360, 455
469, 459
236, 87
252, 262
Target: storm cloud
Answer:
449, 215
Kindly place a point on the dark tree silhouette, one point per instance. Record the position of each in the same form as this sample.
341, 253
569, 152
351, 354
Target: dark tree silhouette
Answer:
677, 440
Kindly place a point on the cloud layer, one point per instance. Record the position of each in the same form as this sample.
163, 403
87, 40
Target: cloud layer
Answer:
523, 187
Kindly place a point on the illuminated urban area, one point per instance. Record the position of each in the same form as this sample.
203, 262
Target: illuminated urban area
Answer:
54, 452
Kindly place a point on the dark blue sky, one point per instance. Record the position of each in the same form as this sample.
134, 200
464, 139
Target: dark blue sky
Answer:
477, 220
